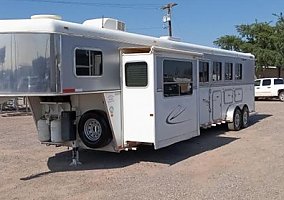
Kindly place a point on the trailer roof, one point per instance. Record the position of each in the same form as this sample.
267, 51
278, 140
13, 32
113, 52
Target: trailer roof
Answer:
49, 25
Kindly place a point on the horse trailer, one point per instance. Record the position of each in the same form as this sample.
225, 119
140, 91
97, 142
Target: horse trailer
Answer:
96, 86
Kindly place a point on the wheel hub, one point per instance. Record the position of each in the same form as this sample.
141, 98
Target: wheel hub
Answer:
237, 120
93, 129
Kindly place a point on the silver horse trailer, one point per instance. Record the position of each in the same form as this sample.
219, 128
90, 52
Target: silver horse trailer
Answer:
95, 86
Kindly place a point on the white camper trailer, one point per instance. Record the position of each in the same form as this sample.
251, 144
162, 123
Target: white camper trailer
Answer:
95, 86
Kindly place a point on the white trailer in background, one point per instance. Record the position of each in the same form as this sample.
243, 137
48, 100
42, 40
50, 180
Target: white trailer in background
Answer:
105, 89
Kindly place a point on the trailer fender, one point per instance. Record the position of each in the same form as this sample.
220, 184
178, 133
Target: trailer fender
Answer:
231, 110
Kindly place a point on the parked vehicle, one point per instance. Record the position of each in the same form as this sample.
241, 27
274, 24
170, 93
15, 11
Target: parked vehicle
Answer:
107, 89
269, 87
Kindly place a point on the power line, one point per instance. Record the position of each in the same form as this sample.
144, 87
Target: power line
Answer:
99, 4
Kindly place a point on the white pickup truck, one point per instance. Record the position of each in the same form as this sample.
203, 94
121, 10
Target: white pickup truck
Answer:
269, 87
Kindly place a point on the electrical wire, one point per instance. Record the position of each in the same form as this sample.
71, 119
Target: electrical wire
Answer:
85, 3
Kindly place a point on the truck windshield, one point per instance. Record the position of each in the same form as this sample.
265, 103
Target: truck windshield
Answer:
25, 63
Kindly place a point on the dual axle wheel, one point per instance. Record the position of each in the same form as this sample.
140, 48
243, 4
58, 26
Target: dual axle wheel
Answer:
240, 119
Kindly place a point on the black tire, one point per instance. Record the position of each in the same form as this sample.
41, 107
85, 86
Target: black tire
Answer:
94, 130
245, 117
281, 96
237, 121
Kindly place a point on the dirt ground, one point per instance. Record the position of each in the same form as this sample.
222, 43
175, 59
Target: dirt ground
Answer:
219, 164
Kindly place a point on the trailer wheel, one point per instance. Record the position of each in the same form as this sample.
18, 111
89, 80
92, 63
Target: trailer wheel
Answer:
281, 96
94, 130
237, 121
245, 117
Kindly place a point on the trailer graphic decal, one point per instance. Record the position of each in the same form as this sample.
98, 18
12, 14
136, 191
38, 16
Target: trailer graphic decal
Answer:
173, 117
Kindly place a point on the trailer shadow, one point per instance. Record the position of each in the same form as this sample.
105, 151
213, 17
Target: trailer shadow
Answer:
257, 118
208, 140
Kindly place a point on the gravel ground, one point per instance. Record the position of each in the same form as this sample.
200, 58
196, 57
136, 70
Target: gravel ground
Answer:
219, 164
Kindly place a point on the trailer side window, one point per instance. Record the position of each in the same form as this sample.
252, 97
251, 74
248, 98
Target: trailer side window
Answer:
136, 74
217, 71
88, 62
177, 78
228, 71
203, 72
238, 71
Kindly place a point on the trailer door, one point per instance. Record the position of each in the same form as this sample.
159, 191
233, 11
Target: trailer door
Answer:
176, 100
138, 97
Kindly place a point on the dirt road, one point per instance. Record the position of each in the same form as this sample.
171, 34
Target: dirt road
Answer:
219, 164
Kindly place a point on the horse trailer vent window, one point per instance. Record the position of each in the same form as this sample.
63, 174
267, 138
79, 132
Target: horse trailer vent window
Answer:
217, 71
228, 71
88, 62
239, 71
136, 74
203, 72
177, 78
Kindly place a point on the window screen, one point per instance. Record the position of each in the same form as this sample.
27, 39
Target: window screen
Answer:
88, 62
136, 74
238, 71
217, 71
177, 78
203, 72
228, 71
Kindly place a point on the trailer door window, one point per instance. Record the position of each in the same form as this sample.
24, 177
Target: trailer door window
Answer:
203, 72
177, 78
228, 71
136, 74
88, 62
217, 71
238, 71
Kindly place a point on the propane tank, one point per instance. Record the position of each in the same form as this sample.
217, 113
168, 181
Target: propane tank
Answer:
43, 130
55, 127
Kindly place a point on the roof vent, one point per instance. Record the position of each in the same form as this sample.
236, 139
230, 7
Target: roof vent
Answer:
56, 17
108, 23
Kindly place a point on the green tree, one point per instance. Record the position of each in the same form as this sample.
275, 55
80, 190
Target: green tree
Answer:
263, 39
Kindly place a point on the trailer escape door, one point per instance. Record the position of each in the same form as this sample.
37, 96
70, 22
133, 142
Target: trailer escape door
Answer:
160, 96
138, 97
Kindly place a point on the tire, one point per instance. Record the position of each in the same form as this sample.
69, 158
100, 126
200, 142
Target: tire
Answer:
245, 117
281, 96
237, 121
94, 130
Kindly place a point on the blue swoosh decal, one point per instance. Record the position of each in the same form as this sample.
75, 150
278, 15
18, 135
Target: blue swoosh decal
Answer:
176, 112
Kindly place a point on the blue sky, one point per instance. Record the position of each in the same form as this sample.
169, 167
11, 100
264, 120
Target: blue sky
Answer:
194, 21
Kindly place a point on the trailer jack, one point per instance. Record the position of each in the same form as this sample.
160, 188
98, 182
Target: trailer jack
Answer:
75, 157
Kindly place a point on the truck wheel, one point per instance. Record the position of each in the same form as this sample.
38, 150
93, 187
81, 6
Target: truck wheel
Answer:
93, 130
237, 121
281, 96
245, 117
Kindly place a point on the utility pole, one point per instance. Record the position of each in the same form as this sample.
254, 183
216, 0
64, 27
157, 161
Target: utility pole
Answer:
168, 16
